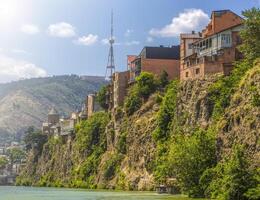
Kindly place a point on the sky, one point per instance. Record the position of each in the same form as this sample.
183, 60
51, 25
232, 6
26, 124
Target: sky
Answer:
55, 37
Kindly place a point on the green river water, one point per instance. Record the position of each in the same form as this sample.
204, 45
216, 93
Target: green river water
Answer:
29, 193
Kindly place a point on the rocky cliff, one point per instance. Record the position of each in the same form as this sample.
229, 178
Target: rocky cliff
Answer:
120, 151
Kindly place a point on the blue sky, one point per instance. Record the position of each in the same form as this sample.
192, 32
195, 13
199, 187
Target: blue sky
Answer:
55, 37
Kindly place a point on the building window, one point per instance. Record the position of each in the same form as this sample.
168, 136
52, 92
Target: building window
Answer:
225, 39
187, 74
198, 71
190, 46
210, 42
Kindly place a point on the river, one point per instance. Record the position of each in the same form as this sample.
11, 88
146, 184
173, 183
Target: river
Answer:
30, 193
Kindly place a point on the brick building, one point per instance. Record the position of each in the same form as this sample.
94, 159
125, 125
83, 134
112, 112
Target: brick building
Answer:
155, 60
213, 51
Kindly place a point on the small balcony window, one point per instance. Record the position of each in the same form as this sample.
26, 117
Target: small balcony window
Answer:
225, 39
197, 71
187, 74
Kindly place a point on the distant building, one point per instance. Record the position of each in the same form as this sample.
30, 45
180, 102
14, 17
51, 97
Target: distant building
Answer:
155, 60
92, 105
52, 125
213, 51
120, 85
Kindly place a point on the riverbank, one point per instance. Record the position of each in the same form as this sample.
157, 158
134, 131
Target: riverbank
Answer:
36, 193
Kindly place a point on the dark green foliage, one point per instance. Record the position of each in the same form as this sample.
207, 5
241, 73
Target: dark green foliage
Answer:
16, 154
34, 138
230, 179
111, 166
146, 84
102, 97
251, 35
90, 142
133, 102
3, 162
121, 145
91, 133
163, 79
254, 191
189, 157
167, 111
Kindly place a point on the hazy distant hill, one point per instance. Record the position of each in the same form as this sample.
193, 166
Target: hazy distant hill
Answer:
26, 102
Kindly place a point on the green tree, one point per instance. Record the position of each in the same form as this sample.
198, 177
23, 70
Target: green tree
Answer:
102, 97
251, 35
34, 138
189, 157
16, 154
232, 178
146, 84
3, 162
163, 79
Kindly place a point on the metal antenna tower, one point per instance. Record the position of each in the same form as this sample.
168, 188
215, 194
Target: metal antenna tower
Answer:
111, 61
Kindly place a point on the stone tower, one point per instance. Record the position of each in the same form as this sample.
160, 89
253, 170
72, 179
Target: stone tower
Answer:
53, 116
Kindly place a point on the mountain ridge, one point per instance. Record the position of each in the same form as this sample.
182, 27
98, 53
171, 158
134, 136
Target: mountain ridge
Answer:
26, 102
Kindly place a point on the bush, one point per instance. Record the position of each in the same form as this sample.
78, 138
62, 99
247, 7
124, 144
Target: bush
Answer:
144, 87
230, 179
146, 84
91, 133
34, 138
102, 97
163, 79
111, 166
133, 102
167, 111
121, 145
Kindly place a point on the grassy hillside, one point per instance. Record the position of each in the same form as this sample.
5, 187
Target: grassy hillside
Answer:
26, 102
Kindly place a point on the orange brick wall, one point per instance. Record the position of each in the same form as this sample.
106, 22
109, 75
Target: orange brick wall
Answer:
157, 66
221, 23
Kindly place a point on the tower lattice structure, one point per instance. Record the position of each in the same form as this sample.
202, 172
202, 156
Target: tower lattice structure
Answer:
110, 69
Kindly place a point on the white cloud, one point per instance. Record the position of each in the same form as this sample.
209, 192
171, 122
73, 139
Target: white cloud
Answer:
62, 29
105, 41
12, 69
190, 19
20, 51
30, 29
131, 43
128, 32
87, 40
149, 39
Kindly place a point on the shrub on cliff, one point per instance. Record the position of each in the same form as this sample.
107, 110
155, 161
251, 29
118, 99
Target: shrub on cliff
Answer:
102, 97
91, 132
34, 138
111, 166
167, 111
145, 85
230, 179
